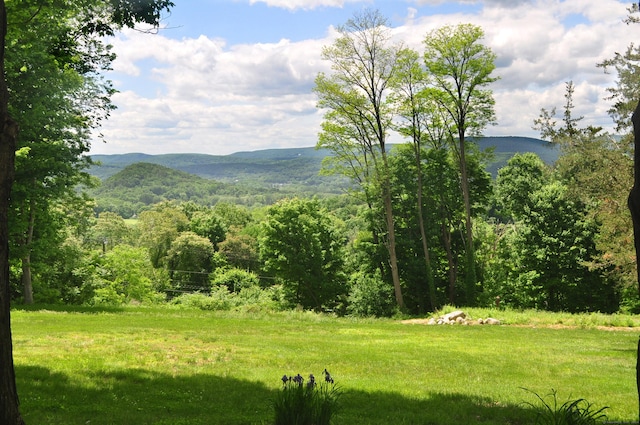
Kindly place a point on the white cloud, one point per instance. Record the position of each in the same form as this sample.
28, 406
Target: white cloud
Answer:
200, 95
304, 4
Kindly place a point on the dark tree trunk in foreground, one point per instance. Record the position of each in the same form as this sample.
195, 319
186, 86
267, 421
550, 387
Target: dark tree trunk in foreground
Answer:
634, 208
9, 412
634, 195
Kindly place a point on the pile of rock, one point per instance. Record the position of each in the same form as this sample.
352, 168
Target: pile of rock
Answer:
459, 317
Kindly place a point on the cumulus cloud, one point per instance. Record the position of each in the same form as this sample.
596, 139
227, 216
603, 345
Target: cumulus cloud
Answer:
202, 95
304, 4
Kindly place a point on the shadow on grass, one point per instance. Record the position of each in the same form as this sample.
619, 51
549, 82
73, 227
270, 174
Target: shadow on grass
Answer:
137, 396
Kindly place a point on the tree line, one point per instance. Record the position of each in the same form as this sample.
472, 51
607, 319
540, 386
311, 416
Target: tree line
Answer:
423, 223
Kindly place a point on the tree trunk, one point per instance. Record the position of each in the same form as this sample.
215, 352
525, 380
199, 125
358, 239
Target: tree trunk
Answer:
9, 411
27, 286
391, 245
634, 208
634, 195
452, 272
423, 234
470, 271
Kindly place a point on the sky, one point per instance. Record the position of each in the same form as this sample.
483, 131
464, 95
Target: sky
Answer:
224, 76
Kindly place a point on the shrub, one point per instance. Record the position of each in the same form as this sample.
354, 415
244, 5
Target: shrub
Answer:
234, 279
370, 296
218, 300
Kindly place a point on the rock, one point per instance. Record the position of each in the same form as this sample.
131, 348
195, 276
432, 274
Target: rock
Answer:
491, 321
480, 321
453, 316
460, 320
431, 321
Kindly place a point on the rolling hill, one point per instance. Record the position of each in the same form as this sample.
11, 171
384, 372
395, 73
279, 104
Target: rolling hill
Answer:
292, 166
131, 182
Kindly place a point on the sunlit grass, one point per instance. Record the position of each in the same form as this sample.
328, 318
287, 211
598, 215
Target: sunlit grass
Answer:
172, 366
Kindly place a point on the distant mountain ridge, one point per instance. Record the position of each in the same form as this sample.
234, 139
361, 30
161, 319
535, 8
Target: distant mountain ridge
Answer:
300, 165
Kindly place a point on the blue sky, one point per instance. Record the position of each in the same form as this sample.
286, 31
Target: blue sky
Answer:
237, 75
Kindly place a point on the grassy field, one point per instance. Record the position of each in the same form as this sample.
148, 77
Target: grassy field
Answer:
170, 366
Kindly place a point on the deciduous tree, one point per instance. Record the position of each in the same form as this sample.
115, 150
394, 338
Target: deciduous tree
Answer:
461, 67
300, 245
358, 116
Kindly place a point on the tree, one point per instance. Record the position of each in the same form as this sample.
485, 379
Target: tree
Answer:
358, 116
461, 67
597, 170
207, 224
97, 19
300, 245
126, 276
189, 261
524, 174
9, 409
110, 230
412, 98
158, 229
557, 243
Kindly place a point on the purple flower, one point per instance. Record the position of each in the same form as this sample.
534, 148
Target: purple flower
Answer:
327, 376
285, 379
298, 379
312, 381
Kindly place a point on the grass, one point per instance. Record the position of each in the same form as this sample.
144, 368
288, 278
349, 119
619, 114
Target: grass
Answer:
171, 366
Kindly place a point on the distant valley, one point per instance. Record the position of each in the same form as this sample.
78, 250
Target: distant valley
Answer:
131, 182
281, 166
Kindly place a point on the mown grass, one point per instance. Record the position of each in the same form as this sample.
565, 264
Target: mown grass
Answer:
171, 366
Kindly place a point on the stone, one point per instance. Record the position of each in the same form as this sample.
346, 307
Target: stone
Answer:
453, 316
491, 321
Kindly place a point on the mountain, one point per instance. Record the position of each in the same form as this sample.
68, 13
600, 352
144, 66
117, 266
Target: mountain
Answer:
293, 166
507, 146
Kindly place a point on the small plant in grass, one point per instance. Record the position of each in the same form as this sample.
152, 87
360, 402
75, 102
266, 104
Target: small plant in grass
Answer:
306, 403
571, 412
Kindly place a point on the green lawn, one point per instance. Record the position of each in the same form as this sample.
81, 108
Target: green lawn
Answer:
168, 366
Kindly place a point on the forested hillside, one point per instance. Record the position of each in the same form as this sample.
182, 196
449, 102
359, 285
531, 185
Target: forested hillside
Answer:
132, 182
294, 165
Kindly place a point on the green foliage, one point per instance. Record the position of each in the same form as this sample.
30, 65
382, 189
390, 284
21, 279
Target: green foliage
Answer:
207, 224
110, 229
125, 276
370, 296
310, 403
217, 300
158, 228
189, 260
571, 412
524, 174
300, 245
234, 279
252, 299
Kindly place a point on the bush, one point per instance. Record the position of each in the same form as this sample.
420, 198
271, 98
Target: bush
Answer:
371, 296
218, 300
251, 298
234, 279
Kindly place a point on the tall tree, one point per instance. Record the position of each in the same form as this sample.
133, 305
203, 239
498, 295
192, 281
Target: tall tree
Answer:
97, 18
9, 409
461, 66
411, 97
358, 116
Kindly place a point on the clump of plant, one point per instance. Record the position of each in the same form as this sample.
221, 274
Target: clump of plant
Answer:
571, 412
306, 403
